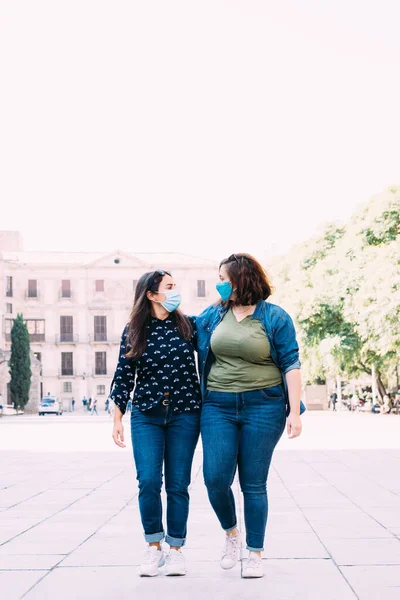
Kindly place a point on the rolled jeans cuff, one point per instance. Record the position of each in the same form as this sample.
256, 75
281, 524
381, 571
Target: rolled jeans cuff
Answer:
154, 537
254, 549
231, 528
175, 542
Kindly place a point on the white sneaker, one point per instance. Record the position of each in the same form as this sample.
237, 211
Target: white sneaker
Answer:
175, 563
252, 566
152, 560
231, 551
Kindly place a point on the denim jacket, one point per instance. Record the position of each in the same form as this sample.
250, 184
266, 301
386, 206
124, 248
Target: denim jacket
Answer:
279, 330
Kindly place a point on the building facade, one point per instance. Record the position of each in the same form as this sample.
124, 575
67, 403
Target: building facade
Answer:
76, 305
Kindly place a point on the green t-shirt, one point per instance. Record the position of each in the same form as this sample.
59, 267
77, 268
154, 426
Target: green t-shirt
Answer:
242, 357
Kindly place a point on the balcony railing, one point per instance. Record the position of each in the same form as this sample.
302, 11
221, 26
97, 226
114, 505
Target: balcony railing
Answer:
67, 373
65, 294
67, 338
99, 373
31, 295
37, 337
98, 338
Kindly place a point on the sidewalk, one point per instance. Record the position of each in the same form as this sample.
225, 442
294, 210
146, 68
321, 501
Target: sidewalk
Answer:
70, 528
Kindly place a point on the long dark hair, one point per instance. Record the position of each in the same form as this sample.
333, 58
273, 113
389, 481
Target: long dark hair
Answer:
248, 277
141, 314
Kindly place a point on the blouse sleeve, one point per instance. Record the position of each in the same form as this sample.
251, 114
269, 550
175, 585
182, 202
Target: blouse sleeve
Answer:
124, 376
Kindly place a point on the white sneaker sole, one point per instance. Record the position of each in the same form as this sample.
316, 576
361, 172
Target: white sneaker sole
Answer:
176, 574
225, 568
244, 576
152, 573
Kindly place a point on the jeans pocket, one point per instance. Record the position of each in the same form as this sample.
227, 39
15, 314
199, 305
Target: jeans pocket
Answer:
273, 393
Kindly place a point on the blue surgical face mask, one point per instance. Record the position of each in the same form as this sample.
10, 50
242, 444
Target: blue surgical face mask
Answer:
172, 300
225, 290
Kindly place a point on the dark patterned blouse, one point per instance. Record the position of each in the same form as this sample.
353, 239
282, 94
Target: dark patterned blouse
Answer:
165, 372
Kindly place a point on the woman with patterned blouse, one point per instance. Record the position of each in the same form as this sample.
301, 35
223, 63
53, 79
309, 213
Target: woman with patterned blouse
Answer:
156, 359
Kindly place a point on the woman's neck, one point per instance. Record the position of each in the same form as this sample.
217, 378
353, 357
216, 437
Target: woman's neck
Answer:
159, 311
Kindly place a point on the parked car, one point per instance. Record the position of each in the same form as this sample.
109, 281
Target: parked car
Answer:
50, 406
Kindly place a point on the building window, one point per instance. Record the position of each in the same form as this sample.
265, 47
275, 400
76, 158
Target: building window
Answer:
66, 329
67, 364
100, 363
9, 286
9, 308
99, 285
66, 288
36, 330
67, 387
134, 281
32, 288
8, 323
101, 390
201, 288
100, 329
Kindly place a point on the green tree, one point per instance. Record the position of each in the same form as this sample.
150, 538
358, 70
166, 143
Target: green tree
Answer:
20, 364
343, 289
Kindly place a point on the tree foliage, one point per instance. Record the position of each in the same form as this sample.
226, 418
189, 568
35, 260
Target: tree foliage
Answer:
343, 288
20, 364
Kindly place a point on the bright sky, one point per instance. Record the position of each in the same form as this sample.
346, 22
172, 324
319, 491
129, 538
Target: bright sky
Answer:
205, 127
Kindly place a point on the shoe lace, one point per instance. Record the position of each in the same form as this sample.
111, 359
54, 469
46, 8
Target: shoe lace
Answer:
174, 557
231, 545
252, 562
150, 556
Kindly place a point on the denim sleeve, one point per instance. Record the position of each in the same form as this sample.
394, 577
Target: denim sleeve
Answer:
124, 376
285, 342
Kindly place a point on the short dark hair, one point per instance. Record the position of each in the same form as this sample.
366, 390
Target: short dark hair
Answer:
248, 278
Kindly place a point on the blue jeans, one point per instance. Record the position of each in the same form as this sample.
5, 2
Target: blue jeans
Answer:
161, 437
241, 430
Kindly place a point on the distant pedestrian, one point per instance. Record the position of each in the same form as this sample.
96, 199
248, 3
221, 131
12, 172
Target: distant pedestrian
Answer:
107, 405
94, 407
89, 404
73, 404
84, 402
334, 400
385, 408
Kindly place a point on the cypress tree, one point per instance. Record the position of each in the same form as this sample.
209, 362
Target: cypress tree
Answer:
20, 364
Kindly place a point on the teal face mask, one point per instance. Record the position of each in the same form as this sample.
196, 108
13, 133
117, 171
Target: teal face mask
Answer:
172, 300
225, 290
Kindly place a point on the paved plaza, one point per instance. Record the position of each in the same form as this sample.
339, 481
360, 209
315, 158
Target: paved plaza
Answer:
70, 527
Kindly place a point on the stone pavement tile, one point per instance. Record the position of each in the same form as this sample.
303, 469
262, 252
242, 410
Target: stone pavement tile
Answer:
351, 531
388, 516
364, 551
285, 522
370, 495
284, 580
338, 516
29, 561
374, 582
13, 527
319, 495
13, 584
395, 531
293, 545
45, 540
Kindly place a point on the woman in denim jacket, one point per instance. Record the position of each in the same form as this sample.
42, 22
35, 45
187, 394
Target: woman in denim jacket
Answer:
250, 380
